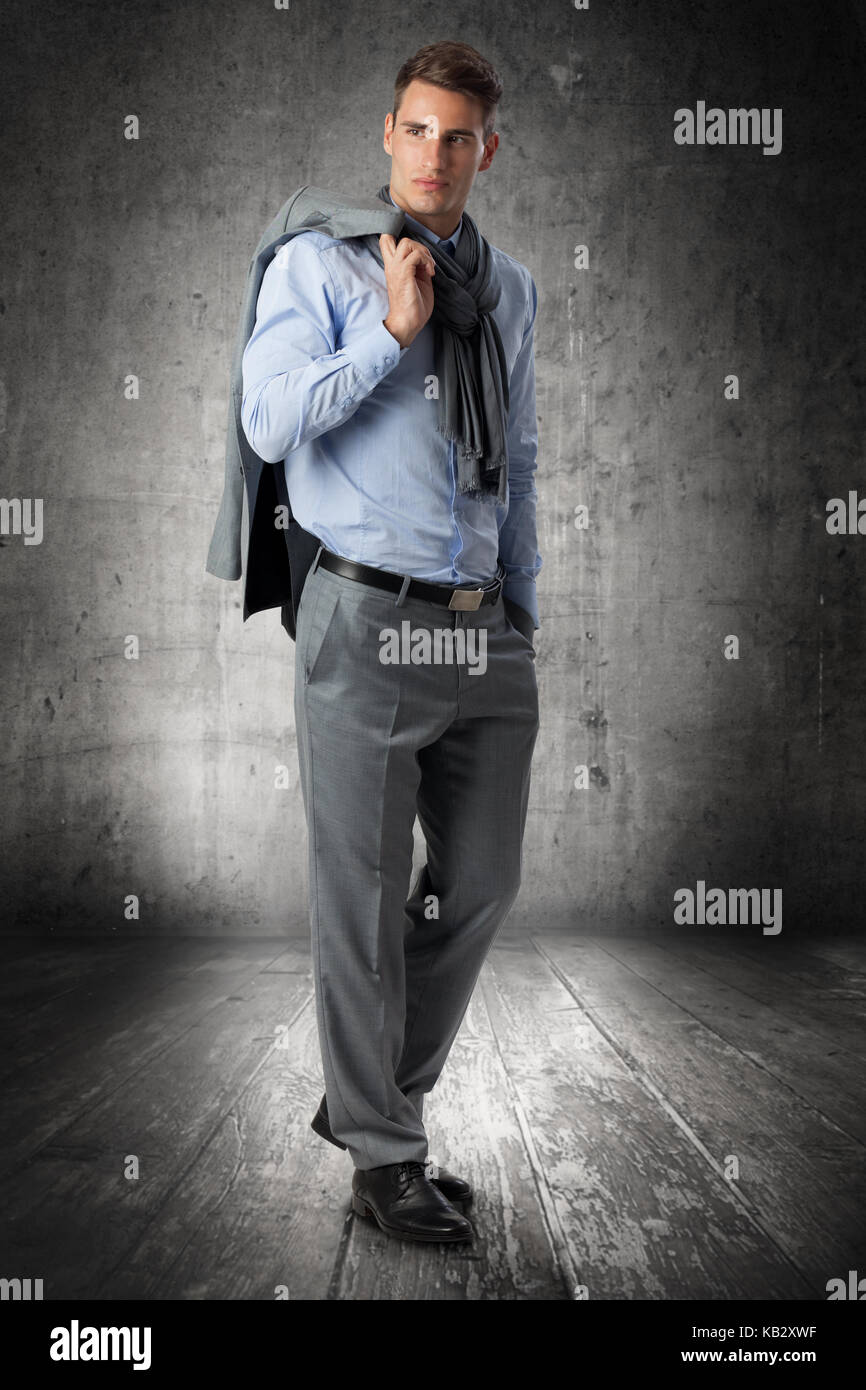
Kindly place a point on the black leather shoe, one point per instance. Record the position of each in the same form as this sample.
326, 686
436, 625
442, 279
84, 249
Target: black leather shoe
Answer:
405, 1204
454, 1188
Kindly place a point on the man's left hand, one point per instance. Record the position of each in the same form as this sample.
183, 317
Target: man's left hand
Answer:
519, 618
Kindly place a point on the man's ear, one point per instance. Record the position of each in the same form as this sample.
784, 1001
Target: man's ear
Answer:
490, 148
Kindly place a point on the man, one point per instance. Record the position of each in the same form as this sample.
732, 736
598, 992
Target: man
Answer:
408, 441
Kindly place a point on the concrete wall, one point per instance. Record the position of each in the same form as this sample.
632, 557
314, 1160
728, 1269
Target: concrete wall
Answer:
155, 776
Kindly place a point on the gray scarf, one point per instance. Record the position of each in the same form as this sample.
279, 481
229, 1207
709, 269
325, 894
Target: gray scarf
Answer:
470, 361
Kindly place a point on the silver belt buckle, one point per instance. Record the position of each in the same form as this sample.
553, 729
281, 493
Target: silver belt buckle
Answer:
466, 600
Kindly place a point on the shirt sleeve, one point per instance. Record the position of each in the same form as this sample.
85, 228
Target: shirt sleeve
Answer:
296, 382
518, 543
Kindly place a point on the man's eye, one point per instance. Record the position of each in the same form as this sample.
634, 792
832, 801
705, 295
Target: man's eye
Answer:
418, 129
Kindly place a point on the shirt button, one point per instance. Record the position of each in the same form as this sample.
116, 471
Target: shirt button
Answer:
389, 360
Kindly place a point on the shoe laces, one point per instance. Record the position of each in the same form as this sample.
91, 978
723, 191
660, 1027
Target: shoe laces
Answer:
407, 1172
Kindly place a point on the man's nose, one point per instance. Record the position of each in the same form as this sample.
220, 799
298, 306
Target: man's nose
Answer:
433, 153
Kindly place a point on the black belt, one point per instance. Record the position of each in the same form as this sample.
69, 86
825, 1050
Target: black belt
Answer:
465, 600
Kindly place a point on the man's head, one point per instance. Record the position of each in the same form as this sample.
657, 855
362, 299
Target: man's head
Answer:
440, 133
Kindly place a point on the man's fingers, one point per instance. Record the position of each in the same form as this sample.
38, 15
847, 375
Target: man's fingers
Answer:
417, 254
418, 260
407, 250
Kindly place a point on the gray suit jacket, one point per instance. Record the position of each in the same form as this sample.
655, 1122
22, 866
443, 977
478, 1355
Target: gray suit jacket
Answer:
274, 563
265, 563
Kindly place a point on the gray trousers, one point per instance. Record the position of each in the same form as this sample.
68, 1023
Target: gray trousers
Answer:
379, 743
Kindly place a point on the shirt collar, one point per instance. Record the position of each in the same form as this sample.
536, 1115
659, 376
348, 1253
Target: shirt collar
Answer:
453, 238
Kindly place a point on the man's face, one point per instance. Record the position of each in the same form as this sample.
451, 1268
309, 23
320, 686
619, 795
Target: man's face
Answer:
437, 147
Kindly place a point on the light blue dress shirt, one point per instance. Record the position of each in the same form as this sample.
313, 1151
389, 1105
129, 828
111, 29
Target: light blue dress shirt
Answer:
329, 392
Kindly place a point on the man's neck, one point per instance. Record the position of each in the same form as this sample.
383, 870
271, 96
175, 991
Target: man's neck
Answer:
421, 221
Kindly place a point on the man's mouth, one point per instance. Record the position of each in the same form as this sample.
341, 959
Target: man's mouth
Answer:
430, 183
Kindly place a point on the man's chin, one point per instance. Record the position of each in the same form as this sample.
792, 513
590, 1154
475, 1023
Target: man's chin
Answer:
420, 202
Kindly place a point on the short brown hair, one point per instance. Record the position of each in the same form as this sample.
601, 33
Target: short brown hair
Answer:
458, 68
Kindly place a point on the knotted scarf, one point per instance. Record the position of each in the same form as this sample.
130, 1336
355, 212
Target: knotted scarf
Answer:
470, 361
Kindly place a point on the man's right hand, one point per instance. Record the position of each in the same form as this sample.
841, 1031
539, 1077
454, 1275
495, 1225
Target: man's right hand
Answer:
409, 270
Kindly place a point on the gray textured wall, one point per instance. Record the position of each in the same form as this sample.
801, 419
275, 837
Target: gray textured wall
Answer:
707, 516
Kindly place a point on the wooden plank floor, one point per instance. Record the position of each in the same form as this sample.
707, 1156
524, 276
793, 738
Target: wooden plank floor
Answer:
596, 1094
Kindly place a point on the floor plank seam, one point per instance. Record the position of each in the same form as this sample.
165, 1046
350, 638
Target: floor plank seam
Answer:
753, 1061
787, 1012
641, 1077
559, 1247
101, 1097
206, 1140
335, 1282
